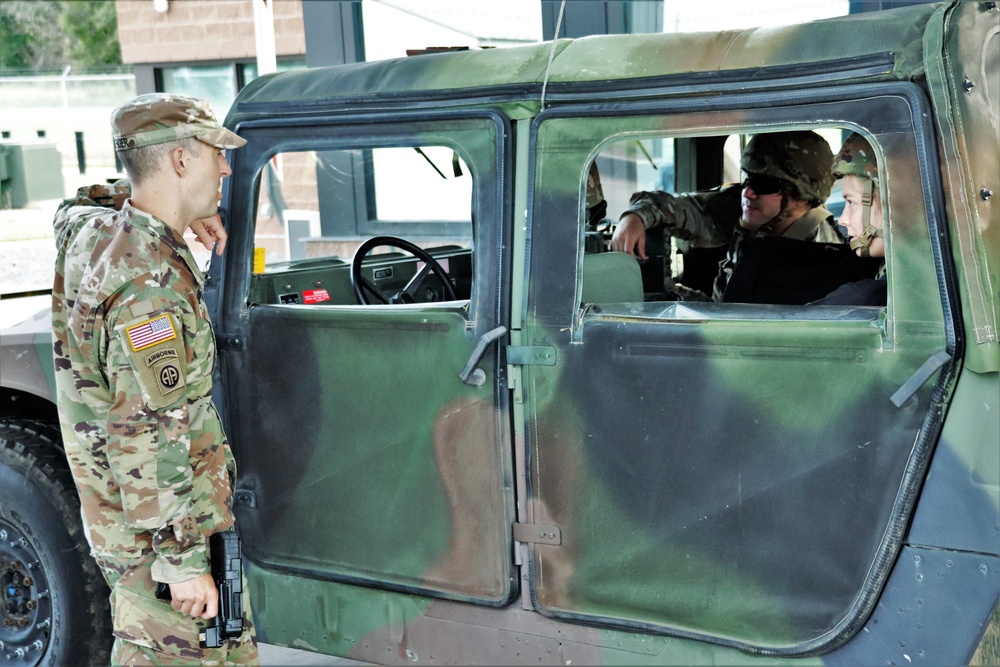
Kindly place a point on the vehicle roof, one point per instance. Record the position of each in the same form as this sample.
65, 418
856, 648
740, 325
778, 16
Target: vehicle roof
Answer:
521, 71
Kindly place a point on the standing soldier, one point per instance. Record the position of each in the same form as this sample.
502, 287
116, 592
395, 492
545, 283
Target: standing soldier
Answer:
134, 352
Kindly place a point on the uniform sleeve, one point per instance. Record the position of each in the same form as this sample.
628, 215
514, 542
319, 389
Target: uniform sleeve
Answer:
149, 354
705, 218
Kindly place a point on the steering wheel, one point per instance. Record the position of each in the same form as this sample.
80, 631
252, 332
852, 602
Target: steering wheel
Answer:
362, 286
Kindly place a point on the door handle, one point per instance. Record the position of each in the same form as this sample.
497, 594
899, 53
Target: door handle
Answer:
471, 375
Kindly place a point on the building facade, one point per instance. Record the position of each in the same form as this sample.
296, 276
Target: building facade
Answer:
204, 48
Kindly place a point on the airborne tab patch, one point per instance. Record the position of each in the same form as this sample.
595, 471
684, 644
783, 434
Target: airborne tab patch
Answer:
149, 333
160, 355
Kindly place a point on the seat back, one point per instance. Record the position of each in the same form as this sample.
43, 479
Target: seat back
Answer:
611, 277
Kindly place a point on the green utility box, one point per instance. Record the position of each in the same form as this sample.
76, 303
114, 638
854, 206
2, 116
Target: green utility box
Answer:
30, 171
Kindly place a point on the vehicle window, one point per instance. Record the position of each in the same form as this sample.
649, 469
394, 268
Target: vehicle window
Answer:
315, 208
705, 244
635, 164
731, 157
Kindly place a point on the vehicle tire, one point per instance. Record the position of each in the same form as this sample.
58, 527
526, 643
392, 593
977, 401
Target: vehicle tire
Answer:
53, 600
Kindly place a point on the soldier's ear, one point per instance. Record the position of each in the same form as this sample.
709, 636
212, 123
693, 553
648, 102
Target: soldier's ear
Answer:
180, 160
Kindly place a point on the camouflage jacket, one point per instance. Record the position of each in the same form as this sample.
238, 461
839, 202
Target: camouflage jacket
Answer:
134, 352
710, 219
705, 219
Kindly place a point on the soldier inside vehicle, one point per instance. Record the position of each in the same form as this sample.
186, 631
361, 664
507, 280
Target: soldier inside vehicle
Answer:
785, 249
857, 166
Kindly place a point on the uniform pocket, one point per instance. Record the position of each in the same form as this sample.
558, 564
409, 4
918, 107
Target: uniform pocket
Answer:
149, 622
132, 455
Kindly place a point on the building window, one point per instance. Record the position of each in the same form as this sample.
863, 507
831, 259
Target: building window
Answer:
218, 83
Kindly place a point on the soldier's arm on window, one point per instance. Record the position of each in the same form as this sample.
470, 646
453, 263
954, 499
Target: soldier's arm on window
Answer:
706, 218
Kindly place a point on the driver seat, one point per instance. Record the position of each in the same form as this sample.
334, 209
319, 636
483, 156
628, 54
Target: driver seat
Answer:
611, 277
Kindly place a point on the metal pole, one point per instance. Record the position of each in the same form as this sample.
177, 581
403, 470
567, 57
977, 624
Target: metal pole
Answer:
263, 28
267, 59
81, 156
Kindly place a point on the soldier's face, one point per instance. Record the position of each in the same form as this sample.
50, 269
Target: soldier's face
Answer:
210, 168
761, 201
852, 217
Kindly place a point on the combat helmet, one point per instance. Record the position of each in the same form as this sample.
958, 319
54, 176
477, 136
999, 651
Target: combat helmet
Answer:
801, 158
857, 158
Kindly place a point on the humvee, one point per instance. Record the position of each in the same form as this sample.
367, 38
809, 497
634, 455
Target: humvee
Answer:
493, 442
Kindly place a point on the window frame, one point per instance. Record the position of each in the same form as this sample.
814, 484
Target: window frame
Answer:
491, 198
784, 107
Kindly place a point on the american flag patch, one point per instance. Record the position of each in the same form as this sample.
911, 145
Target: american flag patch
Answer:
151, 332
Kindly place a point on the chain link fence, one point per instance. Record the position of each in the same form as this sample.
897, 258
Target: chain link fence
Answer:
69, 109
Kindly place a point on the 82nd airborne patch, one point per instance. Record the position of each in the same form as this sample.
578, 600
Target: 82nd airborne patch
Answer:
165, 366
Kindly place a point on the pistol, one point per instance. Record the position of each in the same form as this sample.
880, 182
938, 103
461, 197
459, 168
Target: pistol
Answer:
227, 572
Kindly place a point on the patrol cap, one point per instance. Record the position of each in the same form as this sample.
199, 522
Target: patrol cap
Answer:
157, 118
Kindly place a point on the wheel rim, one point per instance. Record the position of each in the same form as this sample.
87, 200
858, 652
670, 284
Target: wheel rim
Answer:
25, 602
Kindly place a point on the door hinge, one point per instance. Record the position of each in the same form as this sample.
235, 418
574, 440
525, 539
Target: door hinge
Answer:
531, 355
229, 342
537, 533
244, 498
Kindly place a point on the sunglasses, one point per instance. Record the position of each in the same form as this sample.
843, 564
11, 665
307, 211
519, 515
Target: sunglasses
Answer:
764, 185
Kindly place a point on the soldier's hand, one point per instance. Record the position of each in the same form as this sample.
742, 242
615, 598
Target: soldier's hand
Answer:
196, 597
630, 236
211, 233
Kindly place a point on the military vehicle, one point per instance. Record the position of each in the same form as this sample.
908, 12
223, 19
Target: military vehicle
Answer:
492, 442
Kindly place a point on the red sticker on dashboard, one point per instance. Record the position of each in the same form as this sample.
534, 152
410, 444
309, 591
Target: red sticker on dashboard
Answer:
315, 296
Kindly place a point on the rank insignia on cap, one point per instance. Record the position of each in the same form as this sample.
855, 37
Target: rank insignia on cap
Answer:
150, 332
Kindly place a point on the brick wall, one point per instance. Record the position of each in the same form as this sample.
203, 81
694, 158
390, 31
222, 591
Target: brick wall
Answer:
195, 30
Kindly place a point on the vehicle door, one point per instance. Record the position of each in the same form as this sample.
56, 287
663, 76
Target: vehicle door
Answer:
732, 472
363, 457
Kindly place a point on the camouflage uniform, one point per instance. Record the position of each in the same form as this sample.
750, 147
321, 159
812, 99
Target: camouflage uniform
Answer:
856, 157
597, 206
710, 219
134, 352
